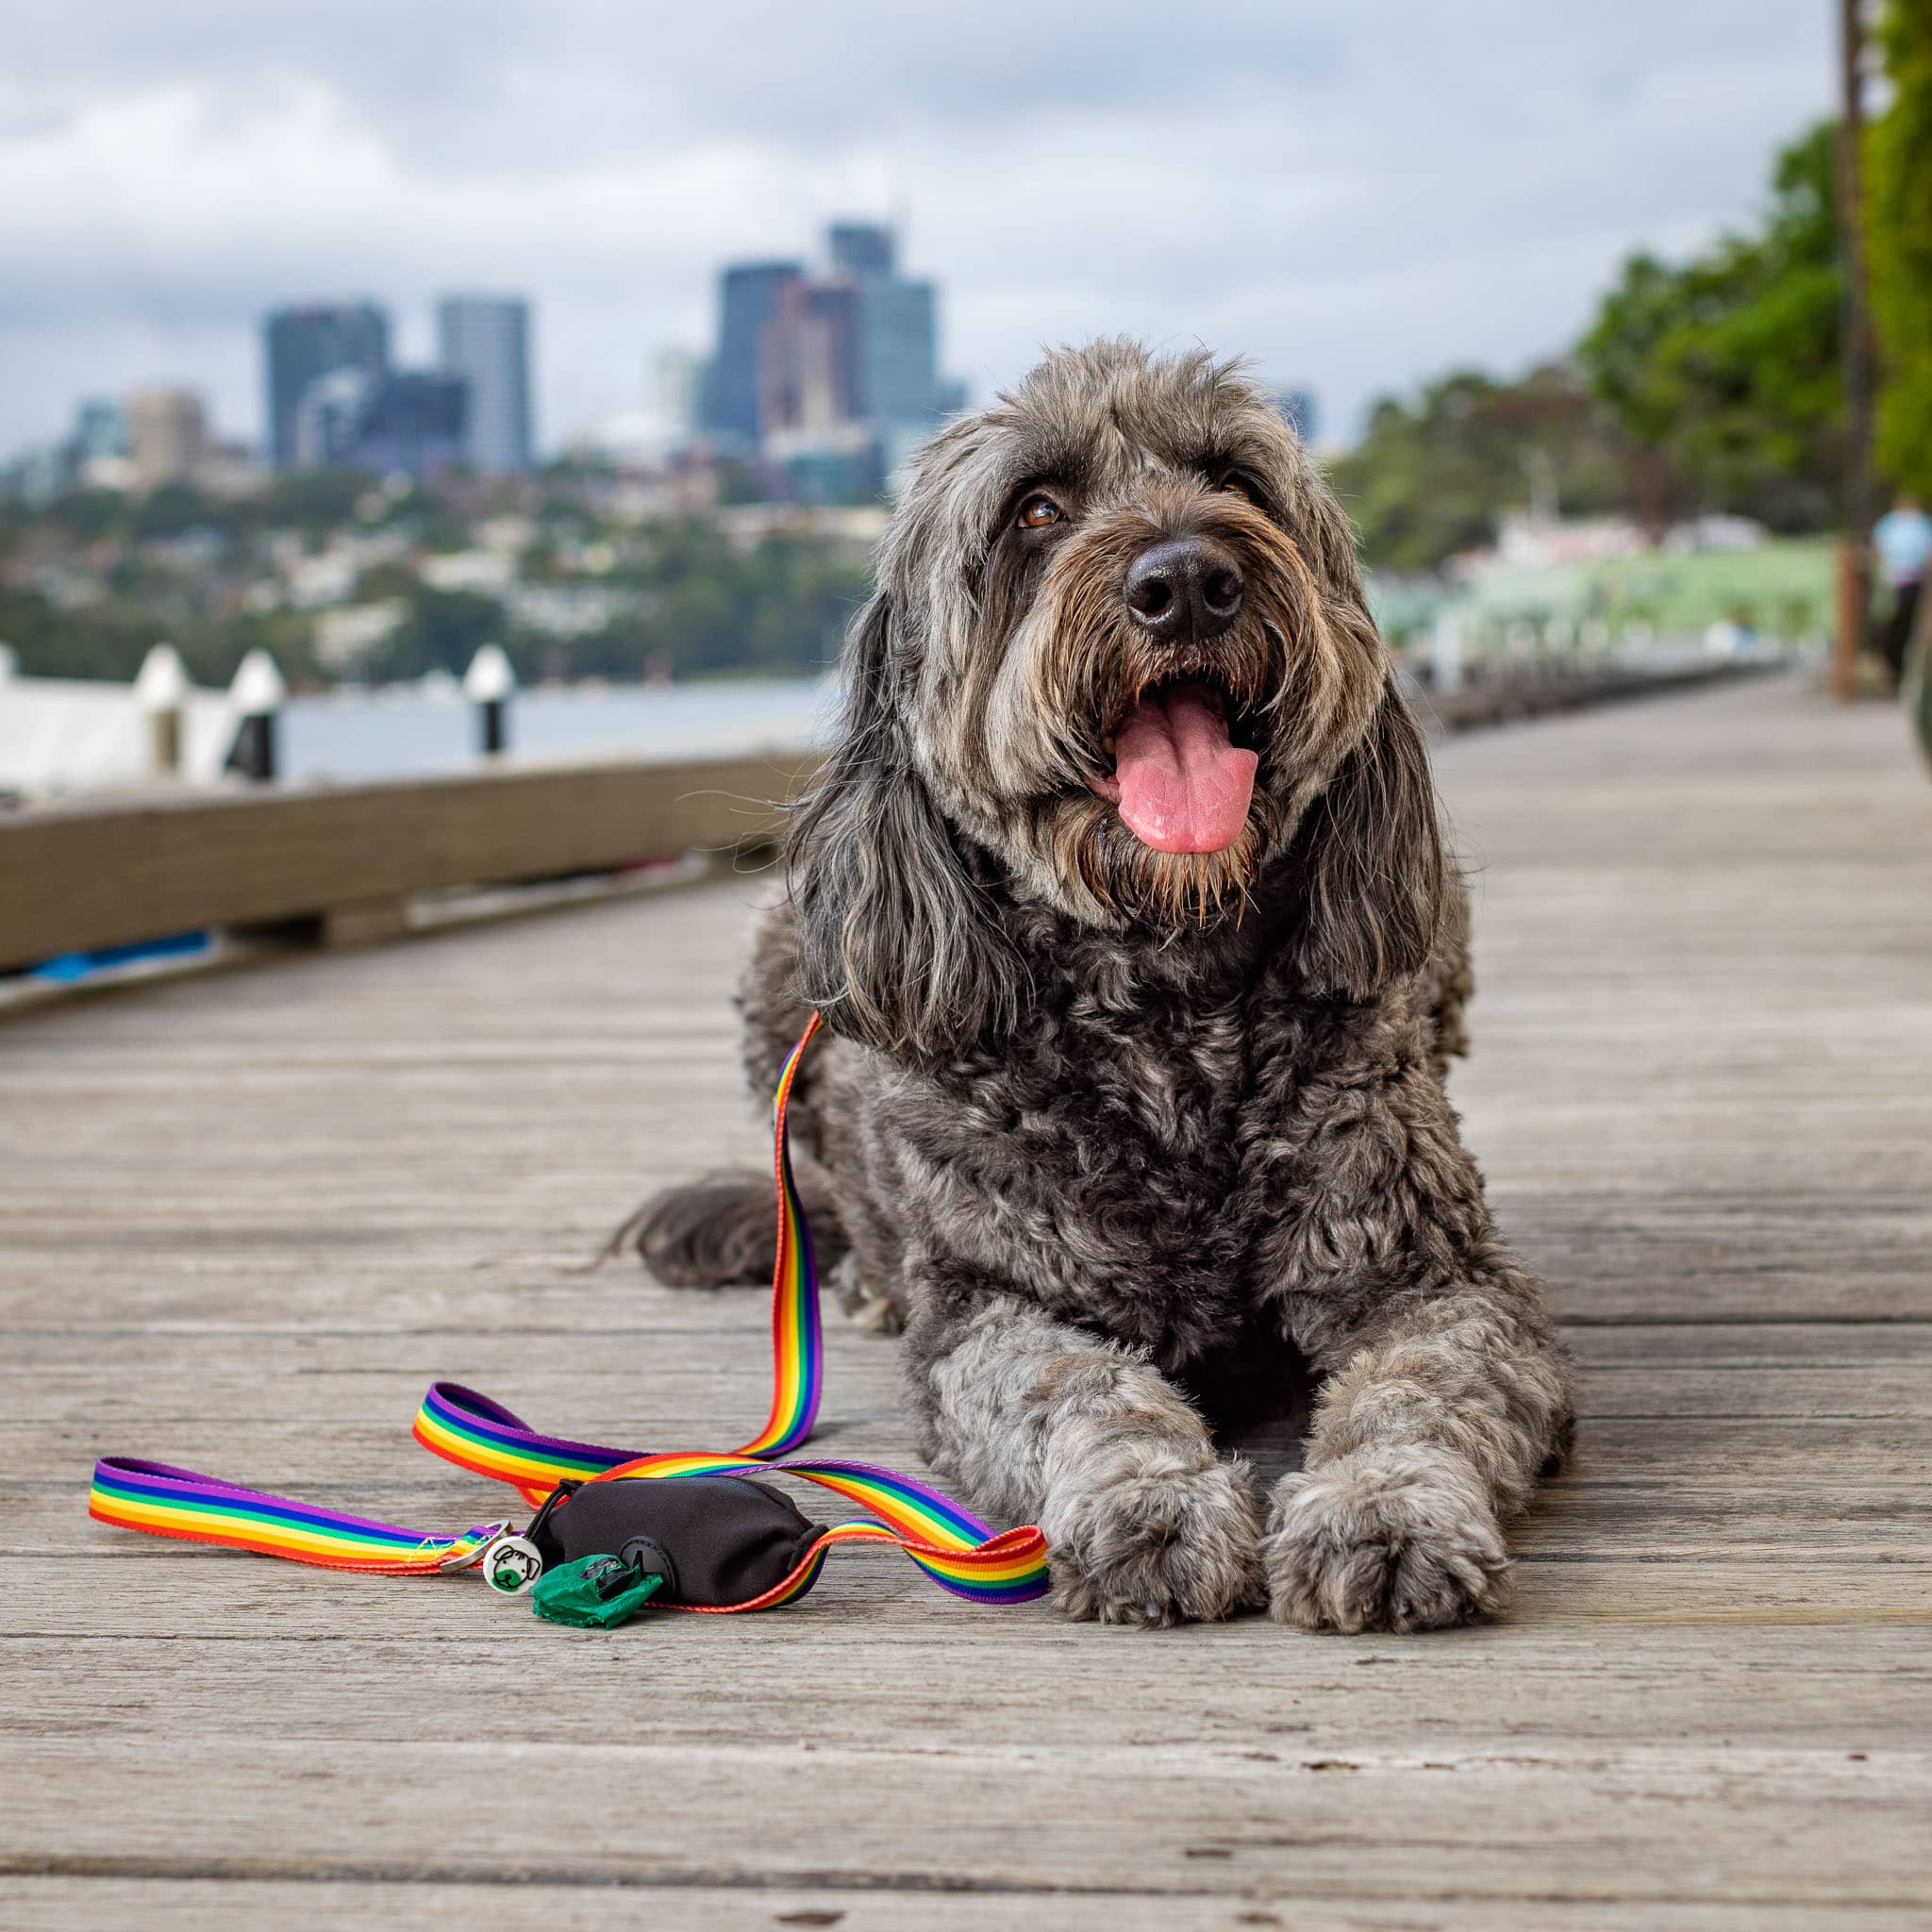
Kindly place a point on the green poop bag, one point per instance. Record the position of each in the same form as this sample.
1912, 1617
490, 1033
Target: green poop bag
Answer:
594, 1592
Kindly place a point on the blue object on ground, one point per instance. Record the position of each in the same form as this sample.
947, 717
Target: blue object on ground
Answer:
67, 969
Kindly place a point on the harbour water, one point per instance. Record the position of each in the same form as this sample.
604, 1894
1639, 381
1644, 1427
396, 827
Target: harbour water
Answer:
398, 731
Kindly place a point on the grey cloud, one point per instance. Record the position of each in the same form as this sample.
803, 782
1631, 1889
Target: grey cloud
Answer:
1355, 195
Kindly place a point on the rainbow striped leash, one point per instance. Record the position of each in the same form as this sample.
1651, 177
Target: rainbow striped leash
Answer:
949, 1544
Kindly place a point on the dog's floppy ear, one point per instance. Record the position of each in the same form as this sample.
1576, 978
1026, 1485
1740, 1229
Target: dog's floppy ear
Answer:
1370, 861
896, 947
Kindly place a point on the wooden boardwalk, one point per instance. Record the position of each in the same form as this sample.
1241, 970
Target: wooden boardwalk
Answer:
243, 1220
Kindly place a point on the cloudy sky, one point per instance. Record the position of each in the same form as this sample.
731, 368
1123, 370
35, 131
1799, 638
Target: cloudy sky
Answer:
1354, 194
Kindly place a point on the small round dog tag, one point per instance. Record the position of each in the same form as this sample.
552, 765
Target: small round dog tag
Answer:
511, 1564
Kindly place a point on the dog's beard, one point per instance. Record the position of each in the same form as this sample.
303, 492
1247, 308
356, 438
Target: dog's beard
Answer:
1177, 889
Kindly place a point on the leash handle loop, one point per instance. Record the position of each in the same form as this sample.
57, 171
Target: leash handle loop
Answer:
156, 1497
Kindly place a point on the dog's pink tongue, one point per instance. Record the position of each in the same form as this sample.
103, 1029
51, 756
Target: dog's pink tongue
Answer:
1184, 788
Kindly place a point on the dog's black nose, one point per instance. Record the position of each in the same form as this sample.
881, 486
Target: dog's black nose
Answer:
1184, 591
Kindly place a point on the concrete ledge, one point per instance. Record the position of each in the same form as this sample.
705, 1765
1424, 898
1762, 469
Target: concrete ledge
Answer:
79, 877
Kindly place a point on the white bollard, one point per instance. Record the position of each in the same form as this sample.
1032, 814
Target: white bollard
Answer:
256, 694
161, 690
487, 684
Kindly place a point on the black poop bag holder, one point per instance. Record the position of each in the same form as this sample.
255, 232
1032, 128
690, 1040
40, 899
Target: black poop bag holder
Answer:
596, 1553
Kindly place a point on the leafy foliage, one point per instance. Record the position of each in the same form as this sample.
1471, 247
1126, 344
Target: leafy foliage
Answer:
1899, 184
1723, 372
1428, 477
703, 605
90, 582
1713, 384
108, 639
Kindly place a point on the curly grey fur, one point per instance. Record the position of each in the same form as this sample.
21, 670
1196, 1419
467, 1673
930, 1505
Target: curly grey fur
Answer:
1096, 1121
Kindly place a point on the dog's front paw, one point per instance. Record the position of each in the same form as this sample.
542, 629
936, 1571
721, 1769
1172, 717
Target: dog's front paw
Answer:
1159, 1546
1394, 1539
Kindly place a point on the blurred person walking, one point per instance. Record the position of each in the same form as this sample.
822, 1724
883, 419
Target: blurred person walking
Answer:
1901, 543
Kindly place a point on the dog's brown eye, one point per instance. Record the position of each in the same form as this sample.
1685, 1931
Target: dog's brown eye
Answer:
1236, 485
1038, 511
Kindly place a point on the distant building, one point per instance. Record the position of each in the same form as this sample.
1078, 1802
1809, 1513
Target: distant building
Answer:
802, 362
346, 635
485, 340
418, 423
100, 429
676, 376
863, 251
808, 361
37, 477
227, 469
329, 419
304, 344
838, 465
411, 421
899, 352
895, 347
749, 294
92, 455
167, 436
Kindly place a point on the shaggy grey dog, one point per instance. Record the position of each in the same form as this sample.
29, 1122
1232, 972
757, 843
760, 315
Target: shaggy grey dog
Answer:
1123, 897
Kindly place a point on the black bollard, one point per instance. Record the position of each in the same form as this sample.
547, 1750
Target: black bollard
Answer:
254, 756
258, 693
489, 684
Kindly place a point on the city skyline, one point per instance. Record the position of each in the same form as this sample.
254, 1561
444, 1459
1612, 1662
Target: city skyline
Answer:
1353, 201
828, 374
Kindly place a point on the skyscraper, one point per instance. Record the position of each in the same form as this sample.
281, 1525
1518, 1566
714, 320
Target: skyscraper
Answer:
411, 421
749, 294
898, 351
895, 327
167, 436
861, 250
313, 340
418, 422
814, 369
808, 360
485, 340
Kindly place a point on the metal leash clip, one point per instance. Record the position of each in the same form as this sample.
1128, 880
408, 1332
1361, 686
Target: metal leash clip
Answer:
465, 1559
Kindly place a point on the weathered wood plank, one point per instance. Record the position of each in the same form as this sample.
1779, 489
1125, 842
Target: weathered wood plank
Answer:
1568, 1822
229, 1905
242, 1224
1753, 1672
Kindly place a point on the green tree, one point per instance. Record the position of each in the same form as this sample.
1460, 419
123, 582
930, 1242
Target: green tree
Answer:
442, 631
1723, 372
108, 639
314, 501
1430, 477
1899, 233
